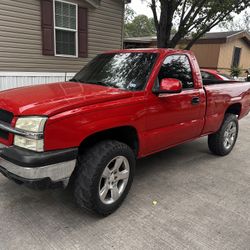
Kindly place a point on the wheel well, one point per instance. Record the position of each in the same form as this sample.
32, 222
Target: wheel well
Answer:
234, 109
126, 134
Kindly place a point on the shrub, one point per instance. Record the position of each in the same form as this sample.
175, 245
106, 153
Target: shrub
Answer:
235, 71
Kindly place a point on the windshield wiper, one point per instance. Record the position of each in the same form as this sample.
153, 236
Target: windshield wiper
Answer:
96, 83
102, 83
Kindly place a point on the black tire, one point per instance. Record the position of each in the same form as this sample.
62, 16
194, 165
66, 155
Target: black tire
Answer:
89, 172
216, 141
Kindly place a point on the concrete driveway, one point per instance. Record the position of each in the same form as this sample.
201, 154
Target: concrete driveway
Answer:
203, 202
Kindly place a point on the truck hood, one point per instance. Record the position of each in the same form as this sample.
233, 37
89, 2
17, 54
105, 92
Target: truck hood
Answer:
51, 99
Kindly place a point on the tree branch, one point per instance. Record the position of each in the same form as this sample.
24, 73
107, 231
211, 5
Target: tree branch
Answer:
197, 16
196, 5
183, 11
209, 27
185, 24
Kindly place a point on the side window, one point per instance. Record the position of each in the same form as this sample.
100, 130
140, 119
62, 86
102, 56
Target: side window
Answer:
178, 67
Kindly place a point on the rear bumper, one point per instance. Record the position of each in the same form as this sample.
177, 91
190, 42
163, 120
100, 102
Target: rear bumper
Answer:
27, 166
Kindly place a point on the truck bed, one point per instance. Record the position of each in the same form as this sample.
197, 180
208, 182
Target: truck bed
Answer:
221, 95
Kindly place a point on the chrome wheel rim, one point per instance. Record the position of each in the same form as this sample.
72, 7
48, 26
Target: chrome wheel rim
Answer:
114, 180
230, 135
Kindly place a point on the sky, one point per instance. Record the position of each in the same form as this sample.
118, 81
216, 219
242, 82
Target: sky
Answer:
141, 8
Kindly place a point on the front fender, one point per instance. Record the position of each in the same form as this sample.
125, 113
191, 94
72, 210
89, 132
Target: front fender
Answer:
70, 129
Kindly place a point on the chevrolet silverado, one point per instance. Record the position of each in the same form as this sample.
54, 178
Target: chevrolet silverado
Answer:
88, 132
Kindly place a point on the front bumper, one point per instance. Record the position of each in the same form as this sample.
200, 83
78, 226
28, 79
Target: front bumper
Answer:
28, 167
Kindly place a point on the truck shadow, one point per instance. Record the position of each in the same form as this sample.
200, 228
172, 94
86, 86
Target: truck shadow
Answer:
173, 158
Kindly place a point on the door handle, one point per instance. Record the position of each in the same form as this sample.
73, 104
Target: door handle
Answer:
195, 100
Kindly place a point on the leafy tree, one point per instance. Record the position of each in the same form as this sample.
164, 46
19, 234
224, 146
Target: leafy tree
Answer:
140, 26
129, 14
242, 23
192, 18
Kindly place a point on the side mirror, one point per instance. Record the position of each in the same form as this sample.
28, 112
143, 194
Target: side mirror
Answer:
169, 85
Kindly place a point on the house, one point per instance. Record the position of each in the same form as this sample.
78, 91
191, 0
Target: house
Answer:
215, 50
50, 40
140, 42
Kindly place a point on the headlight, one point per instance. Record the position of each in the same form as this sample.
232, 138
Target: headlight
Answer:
32, 127
31, 124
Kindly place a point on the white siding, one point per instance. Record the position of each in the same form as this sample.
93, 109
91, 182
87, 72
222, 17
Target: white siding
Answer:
10, 80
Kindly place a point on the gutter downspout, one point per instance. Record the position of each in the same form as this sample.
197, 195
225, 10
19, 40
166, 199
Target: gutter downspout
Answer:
123, 19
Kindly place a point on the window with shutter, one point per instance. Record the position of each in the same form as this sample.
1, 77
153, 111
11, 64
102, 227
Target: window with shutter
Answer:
64, 28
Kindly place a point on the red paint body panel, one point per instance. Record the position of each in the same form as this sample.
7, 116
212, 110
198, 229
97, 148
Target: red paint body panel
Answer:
220, 97
77, 124
78, 110
172, 119
50, 99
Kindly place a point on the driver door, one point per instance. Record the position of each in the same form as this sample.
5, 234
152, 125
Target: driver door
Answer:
175, 118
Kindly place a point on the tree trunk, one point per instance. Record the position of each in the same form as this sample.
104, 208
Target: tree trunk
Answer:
165, 24
162, 33
162, 40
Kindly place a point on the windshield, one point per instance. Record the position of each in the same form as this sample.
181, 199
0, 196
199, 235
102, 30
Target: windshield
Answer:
129, 71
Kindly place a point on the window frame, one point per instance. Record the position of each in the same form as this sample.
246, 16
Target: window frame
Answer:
66, 29
191, 66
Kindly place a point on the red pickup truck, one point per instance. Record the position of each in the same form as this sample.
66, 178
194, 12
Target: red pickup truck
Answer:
126, 104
